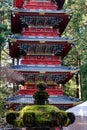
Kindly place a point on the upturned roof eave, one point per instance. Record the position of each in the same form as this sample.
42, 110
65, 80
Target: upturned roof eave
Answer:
45, 69
18, 38
40, 11
54, 99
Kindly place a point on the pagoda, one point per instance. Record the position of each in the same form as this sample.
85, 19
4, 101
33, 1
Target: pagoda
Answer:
37, 50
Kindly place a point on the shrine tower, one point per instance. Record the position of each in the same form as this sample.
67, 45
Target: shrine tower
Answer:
37, 49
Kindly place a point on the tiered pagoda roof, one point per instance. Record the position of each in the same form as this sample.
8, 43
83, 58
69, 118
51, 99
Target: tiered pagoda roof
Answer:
61, 101
58, 19
37, 27
51, 75
56, 74
41, 45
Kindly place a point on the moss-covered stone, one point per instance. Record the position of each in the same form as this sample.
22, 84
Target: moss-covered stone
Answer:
41, 96
40, 115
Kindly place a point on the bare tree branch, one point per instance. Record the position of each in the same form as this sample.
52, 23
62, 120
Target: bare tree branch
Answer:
10, 75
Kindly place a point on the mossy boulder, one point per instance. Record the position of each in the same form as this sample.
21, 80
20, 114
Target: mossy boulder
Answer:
40, 115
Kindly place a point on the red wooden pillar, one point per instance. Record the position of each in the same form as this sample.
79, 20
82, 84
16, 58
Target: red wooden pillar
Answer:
16, 23
18, 3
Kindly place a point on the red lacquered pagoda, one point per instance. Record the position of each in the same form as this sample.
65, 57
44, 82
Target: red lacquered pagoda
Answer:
39, 49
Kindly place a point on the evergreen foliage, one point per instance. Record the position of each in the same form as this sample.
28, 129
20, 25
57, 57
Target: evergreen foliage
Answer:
84, 80
77, 28
4, 32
